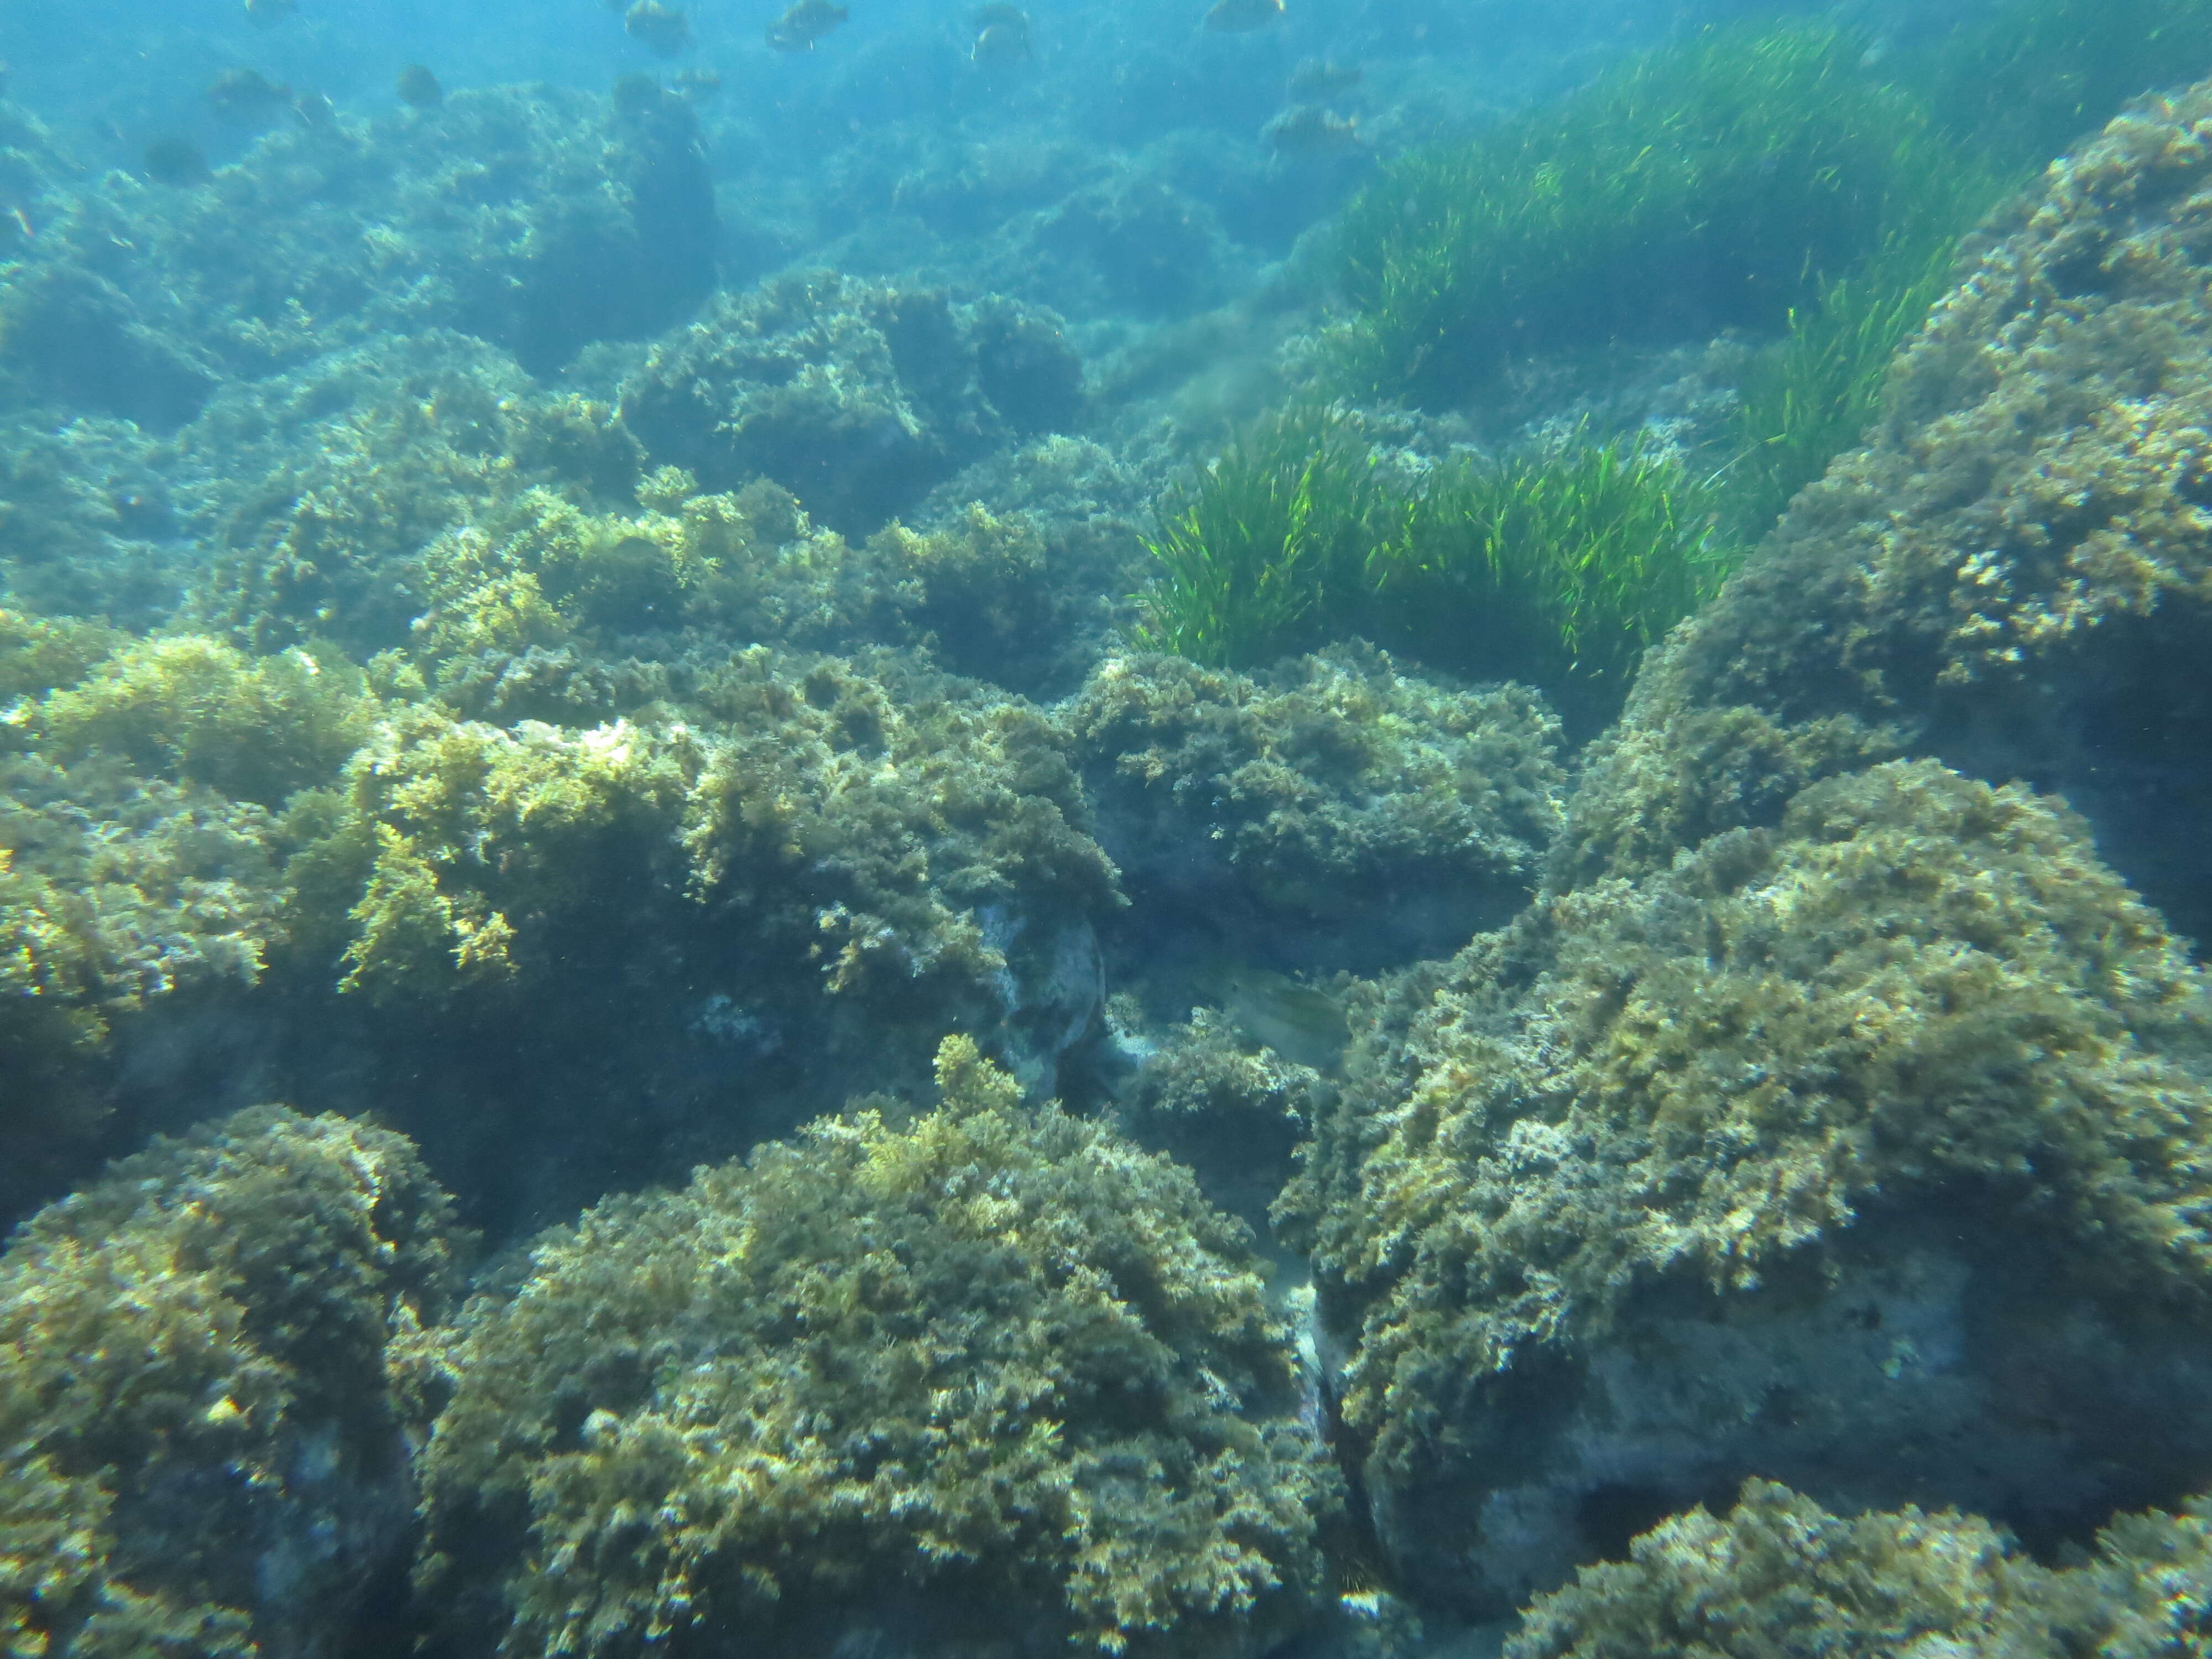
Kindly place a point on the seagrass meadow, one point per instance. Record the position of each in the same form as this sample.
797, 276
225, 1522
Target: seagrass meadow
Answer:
1338, 829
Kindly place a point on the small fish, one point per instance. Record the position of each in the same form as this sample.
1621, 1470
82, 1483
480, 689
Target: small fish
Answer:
1309, 130
805, 23
245, 95
176, 162
315, 111
265, 12
697, 84
1317, 78
1242, 16
21, 221
662, 30
418, 87
1273, 1010
1002, 35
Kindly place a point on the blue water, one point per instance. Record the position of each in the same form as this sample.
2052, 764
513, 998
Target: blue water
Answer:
577, 709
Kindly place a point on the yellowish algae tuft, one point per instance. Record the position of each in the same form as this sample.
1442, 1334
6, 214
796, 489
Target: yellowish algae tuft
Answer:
993, 1376
1779, 1577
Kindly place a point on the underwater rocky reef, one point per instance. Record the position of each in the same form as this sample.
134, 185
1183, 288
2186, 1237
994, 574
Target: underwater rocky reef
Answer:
1011, 881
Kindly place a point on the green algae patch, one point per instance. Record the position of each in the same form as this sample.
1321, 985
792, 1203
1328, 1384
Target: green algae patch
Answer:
442, 829
2014, 573
2034, 77
1254, 554
1557, 566
211, 1363
1813, 396
995, 1376
1744, 162
1779, 1577
193, 709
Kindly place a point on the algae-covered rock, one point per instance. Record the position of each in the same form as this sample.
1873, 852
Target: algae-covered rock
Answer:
117, 894
537, 218
140, 857
1778, 1578
856, 399
344, 477
655, 596
539, 605
1338, 814
447, 827
788, 893
190, 709
1837, 1118
1000, 596
993, 1381
213, 1371
828, 818
1029, 561
1130, 243
929, 844
76, 338
1868, 1153
89, 524
1217, 1095
38, 654
1035, 624
2015, 574
1778, 1575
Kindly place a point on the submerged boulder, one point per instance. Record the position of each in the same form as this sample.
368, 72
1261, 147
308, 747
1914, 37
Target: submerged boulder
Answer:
2013, 575
537, 218
213, 1373
992, 1382
77, 339
858, 398
141, 876
1868, 1153
1778, 1578
786, 896
1840, 1116
1336, 813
